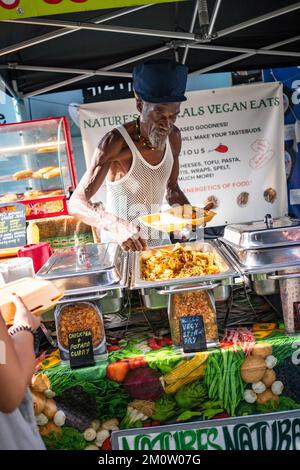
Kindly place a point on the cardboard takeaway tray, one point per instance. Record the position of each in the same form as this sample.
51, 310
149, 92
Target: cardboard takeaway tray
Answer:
177, 218
38, 296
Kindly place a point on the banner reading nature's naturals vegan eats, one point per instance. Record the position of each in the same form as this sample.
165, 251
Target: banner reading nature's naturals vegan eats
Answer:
232, 148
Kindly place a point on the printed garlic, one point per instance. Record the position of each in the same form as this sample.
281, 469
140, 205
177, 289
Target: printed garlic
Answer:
59, 418
258, 387
41, 419
277, 387
250, 396
95, 424
271, 362
111, 424
101, 437
89, 434
91, 447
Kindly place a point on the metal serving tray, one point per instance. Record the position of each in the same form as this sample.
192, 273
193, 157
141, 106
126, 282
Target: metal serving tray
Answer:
87, 269
264, 260
263, 234
225, 276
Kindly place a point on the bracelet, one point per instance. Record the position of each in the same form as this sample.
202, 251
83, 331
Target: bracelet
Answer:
17, 329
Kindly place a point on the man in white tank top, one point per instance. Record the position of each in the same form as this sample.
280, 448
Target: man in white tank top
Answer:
139, 161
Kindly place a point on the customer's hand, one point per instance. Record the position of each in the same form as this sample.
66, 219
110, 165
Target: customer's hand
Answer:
128, 236
23, 317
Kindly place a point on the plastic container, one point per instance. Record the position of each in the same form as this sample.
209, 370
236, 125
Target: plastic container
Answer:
39, 252
193, 303
14, 269
38, 296
79, 316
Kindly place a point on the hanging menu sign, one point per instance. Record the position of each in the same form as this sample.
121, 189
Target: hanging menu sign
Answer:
12, 225
192, 332
81, 349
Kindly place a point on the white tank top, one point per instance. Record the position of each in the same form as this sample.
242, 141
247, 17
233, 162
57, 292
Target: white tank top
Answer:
140, 192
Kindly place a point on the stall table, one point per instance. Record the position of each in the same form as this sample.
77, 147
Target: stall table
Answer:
149, 396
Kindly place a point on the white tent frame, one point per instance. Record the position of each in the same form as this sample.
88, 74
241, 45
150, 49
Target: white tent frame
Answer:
187, 41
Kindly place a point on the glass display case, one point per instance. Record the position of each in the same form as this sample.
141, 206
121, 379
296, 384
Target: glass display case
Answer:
37, 166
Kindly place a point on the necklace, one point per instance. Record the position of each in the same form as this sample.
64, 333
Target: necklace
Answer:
145, 142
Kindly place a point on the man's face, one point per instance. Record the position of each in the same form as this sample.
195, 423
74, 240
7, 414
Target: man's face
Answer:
158, 120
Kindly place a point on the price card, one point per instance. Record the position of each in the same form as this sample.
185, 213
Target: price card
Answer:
192, 333
12, 225
81, 351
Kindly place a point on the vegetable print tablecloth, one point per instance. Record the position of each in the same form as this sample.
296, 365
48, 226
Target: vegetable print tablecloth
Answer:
146, 382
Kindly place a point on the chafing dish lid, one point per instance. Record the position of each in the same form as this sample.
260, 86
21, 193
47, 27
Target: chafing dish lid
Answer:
264, 233
87, 259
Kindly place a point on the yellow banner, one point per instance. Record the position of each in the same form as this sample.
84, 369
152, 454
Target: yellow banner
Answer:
12, 9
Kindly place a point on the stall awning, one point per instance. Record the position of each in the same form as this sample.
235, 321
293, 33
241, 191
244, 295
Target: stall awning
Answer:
80, 49
16, 9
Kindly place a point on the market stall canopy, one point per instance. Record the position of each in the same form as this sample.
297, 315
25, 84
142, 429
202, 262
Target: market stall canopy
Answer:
79, 49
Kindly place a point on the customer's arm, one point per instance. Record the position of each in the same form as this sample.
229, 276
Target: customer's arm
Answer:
16, 358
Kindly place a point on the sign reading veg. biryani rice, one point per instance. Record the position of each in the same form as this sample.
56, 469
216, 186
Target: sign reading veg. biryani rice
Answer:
232, 148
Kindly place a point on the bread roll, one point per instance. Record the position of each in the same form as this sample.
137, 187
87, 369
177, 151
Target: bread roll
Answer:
40, 173
52, 173
22, 175
10, 197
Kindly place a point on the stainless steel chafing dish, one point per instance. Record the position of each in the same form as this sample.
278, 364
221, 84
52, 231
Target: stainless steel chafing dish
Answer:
90, 272
263, 250
155, 293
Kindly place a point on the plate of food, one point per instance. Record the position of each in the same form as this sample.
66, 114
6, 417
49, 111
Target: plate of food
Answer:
179, 217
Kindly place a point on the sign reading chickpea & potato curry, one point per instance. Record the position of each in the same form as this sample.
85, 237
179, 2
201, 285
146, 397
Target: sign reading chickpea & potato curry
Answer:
276, 431
81, 349
232, 148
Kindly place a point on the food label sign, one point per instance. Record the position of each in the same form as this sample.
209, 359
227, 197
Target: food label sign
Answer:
12, 225
192, 333
279, 431
81, 349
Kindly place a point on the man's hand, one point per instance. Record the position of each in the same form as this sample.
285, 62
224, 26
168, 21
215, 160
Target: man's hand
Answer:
23, 316
128, 236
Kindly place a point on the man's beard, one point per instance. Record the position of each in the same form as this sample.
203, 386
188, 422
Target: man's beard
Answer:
157, 140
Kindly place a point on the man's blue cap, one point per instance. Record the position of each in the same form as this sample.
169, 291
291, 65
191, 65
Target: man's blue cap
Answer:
160, 81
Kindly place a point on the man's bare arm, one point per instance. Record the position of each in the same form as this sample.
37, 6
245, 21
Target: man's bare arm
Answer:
94, 214
80, 204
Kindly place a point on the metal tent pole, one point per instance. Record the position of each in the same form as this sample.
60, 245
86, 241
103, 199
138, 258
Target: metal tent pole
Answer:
109, 28
259, 19
245, 56
38, 68
101, 71
64, 31
6, 85
159, 50
190, 30
243, 49
214, 16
